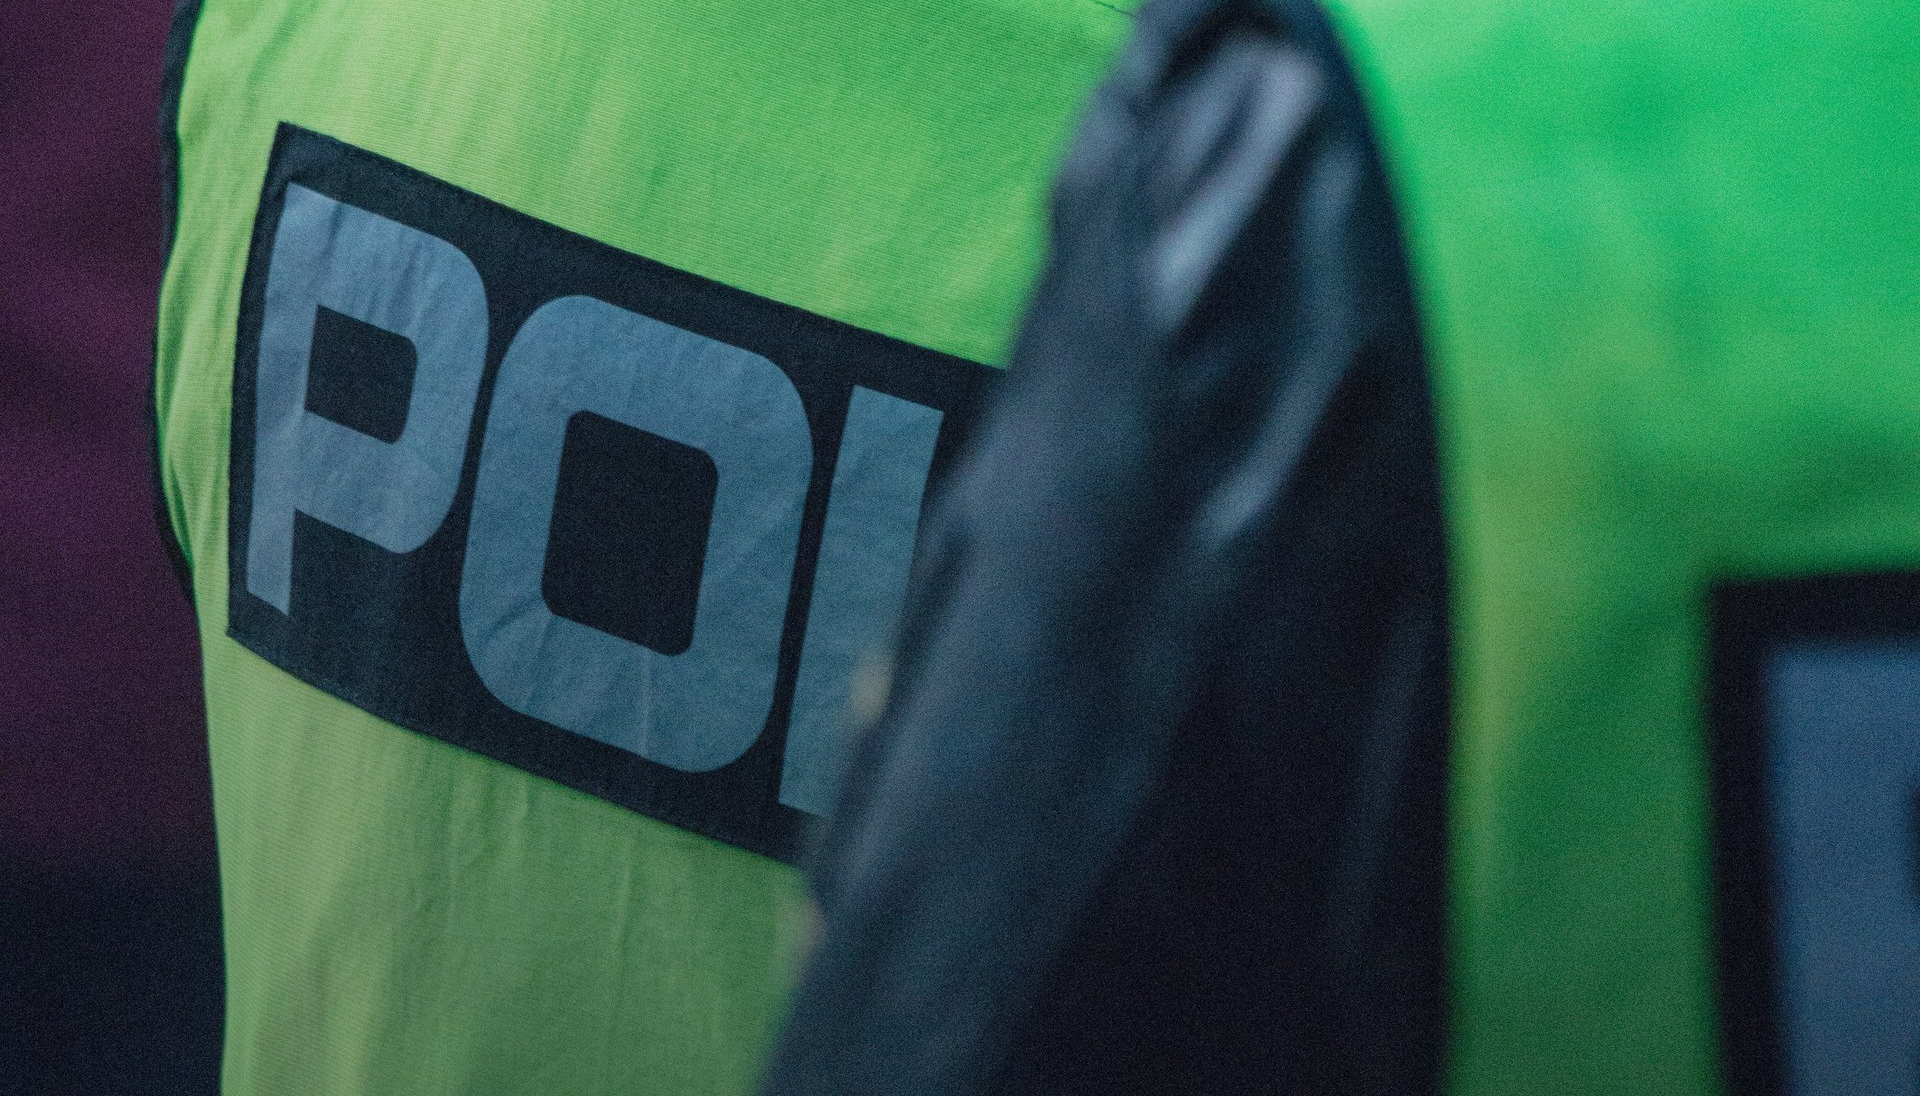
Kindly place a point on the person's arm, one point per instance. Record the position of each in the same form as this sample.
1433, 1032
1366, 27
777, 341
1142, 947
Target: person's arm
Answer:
1165, 726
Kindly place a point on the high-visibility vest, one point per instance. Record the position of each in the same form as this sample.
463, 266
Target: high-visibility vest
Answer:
1668, 265
547, 393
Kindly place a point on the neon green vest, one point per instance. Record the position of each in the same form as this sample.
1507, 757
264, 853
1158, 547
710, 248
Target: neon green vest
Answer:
1668, 258
404, 915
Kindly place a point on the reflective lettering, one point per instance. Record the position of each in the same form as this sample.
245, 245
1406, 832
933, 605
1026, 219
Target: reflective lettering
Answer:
866, 551
1844, 772
695, 711
383, 273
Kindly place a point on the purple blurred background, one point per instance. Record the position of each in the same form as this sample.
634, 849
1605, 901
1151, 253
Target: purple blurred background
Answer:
109, 935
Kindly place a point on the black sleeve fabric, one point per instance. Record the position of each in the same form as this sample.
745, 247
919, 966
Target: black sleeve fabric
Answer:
1156, 801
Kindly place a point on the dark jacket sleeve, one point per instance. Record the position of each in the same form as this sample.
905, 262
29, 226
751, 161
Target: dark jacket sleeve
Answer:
1154, 803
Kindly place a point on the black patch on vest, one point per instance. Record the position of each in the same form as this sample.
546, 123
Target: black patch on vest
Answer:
629, 534
361, 376
382, 630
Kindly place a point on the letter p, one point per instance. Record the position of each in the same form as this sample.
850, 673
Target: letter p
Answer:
406, 282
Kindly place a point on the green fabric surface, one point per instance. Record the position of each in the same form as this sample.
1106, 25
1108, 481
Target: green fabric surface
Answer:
406, 917
1667, 258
